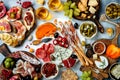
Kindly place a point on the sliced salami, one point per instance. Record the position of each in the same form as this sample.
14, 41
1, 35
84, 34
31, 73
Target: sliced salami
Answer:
40, 53
50, 49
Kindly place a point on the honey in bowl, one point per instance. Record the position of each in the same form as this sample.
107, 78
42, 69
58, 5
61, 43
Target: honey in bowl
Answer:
99, 48
55, 5
43, 13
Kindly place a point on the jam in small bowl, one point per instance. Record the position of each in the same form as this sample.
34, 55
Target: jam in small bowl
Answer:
49, 70
99, 47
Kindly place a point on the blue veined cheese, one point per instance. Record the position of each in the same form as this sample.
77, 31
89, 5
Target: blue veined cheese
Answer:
61, 53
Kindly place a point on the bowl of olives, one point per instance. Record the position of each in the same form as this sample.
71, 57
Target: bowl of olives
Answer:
112, 10
88, 29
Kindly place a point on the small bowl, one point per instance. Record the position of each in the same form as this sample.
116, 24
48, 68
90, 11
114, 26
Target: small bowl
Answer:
85, 26
100, 46
111, 67
112, 3
48, 66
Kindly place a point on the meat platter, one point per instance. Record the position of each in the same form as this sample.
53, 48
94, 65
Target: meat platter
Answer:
59, 40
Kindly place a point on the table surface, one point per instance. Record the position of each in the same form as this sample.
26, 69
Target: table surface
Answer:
60, 16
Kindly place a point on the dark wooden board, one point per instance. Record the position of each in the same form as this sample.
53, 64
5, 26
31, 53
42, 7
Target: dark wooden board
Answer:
96, 19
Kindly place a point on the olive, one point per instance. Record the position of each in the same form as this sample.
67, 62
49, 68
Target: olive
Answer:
37, 69
56, 35
88, 46
28, 77
76, 25
73, 56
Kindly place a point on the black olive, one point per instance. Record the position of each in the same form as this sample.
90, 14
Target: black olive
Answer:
89, 53
88, 46
76, 25
28, 77
52, 57
73, 56
37, 69
56, 35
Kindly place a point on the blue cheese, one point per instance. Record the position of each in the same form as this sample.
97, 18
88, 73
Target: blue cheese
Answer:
61, 53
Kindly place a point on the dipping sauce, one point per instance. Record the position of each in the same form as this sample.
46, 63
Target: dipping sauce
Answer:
49, 69
99, 48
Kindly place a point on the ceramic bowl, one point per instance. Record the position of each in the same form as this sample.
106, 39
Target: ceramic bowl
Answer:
111, 67
87, 27
112, 3
51, 76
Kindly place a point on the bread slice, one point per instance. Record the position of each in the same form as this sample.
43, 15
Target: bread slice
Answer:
14, 13
28, 18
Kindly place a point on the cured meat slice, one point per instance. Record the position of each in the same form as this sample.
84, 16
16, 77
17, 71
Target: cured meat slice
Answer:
44, 52
50, 49
28, 18
41, 53
14, 13
21, 29
30, 58
2, 9
5, 26
45, 47
47, 58
28, 67
69, 62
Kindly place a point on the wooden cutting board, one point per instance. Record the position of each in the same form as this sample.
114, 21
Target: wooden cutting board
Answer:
104, 73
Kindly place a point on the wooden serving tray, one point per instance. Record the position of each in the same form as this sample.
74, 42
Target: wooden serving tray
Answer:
104, 73
92, 18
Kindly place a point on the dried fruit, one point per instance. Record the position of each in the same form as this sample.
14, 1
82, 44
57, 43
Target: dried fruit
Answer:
36, 42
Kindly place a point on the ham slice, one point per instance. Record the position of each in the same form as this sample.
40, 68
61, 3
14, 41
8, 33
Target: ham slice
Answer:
21, 29
14, 13
2, 9
28, 18
5, 26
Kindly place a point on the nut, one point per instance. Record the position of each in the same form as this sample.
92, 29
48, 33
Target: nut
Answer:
36, 42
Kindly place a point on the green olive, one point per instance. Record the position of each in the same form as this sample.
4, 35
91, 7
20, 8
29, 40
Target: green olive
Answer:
9, 59
7, 65
12, 63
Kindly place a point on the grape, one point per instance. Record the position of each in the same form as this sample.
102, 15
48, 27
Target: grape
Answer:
66, 4
89, 72
71, 13
69, 2
71, 9
72, 5
88, 78
76, 13
67, 12
86, 75
77, 10
66, 8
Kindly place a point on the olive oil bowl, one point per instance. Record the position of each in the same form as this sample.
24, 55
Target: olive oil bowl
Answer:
112, 11
88, 29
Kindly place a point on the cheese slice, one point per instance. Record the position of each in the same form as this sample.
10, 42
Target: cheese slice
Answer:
61, 53
103, 63
93, 3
